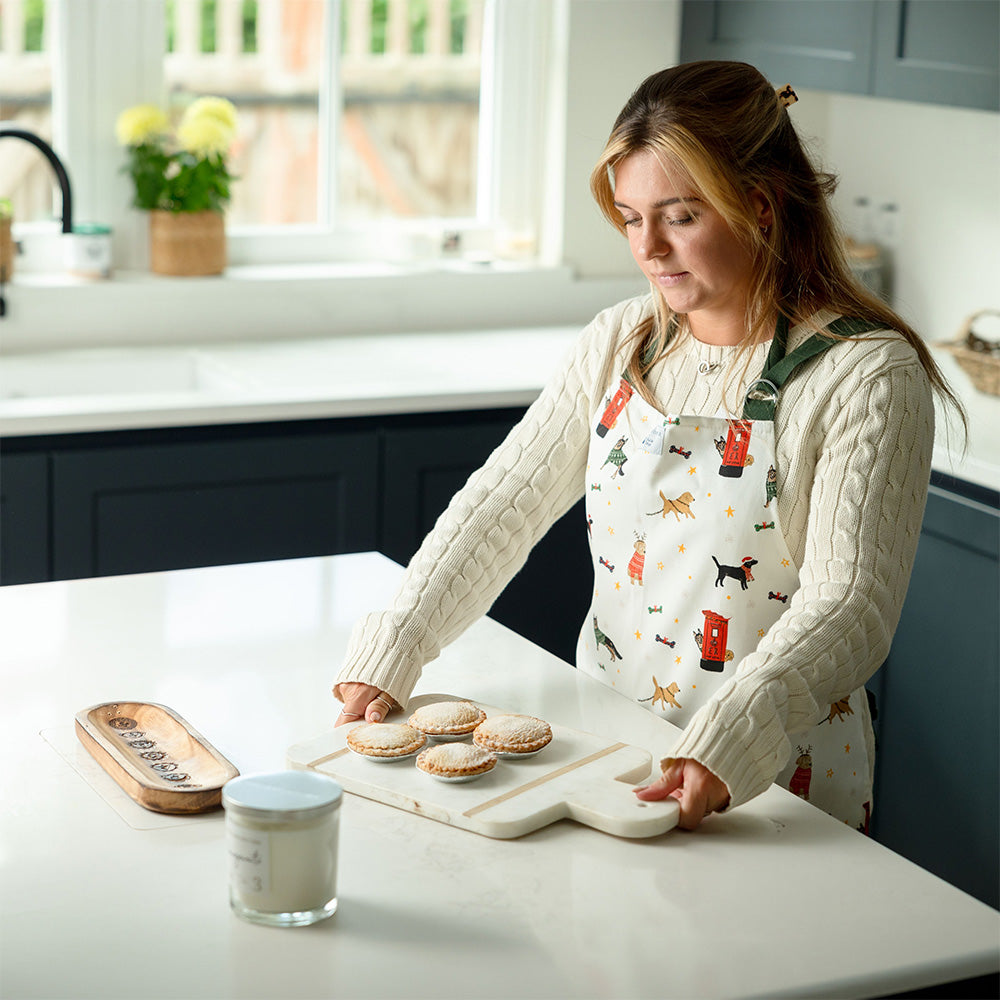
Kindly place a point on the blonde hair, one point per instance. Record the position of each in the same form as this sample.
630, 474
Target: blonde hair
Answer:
723, 125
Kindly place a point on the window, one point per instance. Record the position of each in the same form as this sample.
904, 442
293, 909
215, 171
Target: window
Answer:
26, 101
399, 134
368, 128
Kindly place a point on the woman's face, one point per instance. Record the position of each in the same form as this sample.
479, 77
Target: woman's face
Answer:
685, 247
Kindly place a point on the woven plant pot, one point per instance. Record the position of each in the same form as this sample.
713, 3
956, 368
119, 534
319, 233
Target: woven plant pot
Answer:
7, 251
187, 243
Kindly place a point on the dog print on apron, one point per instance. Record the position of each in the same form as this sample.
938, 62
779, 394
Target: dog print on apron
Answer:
691, 568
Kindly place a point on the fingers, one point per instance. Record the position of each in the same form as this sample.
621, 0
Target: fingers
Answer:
379, 707
664, 786
697, 790
363, 702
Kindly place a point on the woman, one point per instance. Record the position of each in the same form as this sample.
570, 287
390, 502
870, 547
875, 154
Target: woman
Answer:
754, 441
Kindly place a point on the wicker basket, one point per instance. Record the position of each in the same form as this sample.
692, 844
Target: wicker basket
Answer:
979, 358
187, 243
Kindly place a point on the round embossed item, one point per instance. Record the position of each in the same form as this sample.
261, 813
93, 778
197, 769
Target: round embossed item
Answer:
448, 719
385, 740
456, 761
513, 735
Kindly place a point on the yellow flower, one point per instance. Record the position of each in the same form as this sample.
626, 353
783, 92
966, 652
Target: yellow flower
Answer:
139, 124
204, 136
212, 107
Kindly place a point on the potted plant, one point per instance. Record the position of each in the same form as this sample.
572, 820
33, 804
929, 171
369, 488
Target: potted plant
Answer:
182, 179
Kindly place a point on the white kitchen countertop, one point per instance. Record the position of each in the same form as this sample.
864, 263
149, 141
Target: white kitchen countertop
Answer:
102, 899
72, 391
120, 388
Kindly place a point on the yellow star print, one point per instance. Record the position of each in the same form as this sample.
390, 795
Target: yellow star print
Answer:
847, 748
730, 511
659, 565
680, 548
618, 585
785, 562
692, 470
638, 634
829, 772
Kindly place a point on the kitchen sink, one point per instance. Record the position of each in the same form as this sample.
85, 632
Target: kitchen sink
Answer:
110, 372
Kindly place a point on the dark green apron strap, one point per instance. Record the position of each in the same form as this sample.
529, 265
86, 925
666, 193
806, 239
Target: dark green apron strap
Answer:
762, 396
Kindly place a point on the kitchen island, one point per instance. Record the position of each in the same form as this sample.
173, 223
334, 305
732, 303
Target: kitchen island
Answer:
103, 899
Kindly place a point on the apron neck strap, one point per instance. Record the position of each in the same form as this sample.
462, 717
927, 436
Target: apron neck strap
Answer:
762, 396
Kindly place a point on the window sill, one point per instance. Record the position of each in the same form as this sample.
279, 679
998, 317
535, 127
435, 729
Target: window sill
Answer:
252, 303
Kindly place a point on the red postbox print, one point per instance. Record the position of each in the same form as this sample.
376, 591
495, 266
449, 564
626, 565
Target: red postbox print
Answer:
617, 404
715, 632
734, 453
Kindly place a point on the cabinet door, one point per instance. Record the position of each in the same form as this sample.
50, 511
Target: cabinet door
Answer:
939, 51
201, 501
24, 518
822, 44
427, 460
937, 760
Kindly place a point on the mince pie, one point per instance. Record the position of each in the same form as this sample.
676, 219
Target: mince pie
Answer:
513, 734
385, 740
449, 719
456, 761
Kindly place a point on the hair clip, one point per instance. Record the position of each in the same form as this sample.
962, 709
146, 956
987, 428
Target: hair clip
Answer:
786, 95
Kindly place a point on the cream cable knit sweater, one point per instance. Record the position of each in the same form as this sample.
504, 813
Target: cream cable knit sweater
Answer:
854, 433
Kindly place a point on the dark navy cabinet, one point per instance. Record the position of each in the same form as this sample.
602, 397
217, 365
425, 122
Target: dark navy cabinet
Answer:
24, 516
174, 500
936, 799
930, 51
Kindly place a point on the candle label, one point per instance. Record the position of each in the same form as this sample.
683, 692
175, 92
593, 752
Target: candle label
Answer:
249, 859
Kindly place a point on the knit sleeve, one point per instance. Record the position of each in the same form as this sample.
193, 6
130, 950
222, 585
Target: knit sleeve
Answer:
875, 438
487, 531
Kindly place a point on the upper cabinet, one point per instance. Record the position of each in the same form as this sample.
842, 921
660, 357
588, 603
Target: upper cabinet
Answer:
933, 51
938, 52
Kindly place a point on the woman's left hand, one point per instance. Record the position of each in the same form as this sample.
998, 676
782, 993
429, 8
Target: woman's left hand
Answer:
695, 787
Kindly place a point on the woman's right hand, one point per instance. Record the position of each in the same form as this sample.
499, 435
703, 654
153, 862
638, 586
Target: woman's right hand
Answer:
362, 701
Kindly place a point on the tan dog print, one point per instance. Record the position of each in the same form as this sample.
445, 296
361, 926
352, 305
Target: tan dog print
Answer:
840, 709
681, 505
667, 695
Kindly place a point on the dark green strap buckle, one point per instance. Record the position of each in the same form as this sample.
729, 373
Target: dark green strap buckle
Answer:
762, 397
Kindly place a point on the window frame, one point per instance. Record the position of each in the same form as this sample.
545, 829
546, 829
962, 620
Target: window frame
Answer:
108, 55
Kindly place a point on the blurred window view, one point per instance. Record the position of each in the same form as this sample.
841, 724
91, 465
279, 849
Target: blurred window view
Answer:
26, 101
349, 110
374, 116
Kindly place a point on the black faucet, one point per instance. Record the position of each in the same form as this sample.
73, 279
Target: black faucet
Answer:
7, 129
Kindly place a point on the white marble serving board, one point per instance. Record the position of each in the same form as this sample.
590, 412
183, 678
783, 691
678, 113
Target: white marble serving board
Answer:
578, 776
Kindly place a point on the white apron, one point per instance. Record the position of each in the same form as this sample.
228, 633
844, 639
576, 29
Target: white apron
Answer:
691, 569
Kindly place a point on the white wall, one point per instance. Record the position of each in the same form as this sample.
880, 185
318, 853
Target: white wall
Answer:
613, 45
941, 166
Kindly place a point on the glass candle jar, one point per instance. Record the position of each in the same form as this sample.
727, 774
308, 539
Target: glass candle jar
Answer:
282, 831
90, 251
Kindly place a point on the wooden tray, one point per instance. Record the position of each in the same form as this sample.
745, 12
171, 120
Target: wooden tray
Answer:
578, 776
155, 756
